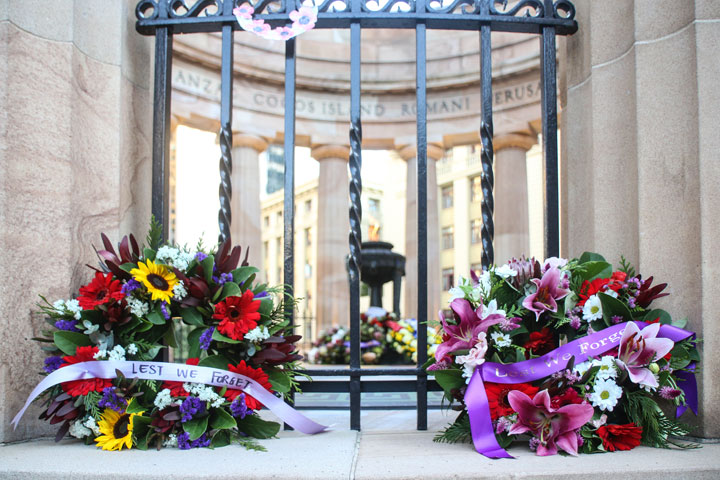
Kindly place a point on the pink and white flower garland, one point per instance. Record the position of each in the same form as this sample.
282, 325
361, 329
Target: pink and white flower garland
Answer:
303, 20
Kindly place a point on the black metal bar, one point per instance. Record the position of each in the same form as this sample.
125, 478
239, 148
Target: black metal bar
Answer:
389, 386
487, 179
549, 133
161, 129
225, 136
289, 201
355, 237
421, 157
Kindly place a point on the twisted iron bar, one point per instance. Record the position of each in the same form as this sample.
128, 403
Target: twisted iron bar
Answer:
225, 190
355, 237
487, 182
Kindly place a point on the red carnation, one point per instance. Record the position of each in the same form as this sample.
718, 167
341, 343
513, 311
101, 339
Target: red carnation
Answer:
101, 290
176, 388
256, 374
588, 289
238, 315
76, 388
540, 342
620, 437
569, 396
497, 394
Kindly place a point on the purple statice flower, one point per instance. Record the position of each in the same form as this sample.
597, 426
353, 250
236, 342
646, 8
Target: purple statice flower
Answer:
205, 338
572, 377
224, 277
131, 285
184, 442
52, 364
238, 407
631, 302
575, 321
200, 256
68, 325
191, 406
111, 400
165, 311
669, 393
534, 442
616, 319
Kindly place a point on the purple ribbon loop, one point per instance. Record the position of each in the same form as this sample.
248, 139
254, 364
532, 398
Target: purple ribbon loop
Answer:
583, 348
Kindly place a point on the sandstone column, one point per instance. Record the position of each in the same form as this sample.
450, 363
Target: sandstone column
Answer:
434, 291
245, 204
332, 292
640, 170
512, 237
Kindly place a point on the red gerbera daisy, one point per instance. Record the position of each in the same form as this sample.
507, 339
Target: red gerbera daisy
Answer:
497, 394
101, 290
238, 315
569, 396
256, 374
76, 388
588, 289
540, 342
176, 388
620, 437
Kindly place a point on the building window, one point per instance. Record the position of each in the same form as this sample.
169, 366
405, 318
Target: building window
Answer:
308, 206
279, 218
447, 196
279, 247
476, 189
476, 231
266, 221
266, 251
308, 237
447, 278
447, 238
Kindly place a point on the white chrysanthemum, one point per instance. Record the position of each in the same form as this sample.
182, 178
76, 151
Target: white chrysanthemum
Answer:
491, 308
78, 430
101, 354
138, 307
592, 310
92, 425
179, 291
505, 271
132, 349
606, 394
583, 367
257, 334
607, 367
163, 399
501, 339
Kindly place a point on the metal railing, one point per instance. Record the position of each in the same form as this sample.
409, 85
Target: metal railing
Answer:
545, 18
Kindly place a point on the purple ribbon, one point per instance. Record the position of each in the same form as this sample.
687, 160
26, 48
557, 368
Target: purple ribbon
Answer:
178, 373
583, 348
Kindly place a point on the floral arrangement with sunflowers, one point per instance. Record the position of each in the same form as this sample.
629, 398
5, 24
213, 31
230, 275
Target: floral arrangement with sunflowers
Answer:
131, 311
568, 355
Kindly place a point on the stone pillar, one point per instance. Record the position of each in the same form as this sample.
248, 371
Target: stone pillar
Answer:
75, 142
640, 146
512, 231
245, 228
434, 153
332, 292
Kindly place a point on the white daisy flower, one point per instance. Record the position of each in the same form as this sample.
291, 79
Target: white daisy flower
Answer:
607, 367
501, 339
583, 367
606, 394
592, 310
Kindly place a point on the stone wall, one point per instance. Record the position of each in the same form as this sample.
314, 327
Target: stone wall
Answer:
75, 133
640, 149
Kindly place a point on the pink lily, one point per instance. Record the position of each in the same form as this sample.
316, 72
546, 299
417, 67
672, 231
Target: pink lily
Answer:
464, 334
548, 291
639, 348
553, 427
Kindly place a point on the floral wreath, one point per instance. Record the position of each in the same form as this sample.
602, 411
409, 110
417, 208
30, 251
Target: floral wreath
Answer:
303, 20
103, 384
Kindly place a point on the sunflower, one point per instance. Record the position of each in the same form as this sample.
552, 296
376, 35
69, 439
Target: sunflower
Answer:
157, 278
116, 429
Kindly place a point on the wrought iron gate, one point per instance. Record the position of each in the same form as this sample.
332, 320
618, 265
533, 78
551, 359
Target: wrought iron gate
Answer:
545, 18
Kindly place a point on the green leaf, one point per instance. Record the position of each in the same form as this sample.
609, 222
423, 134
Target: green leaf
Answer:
222, 338
519, 356
243, 273
134, 407
196, 427
664, 316
266, 304
230, 289
449, 379
215, 361
194, 342
141, 429
279, 380
192, 317
679, 322
591, 257
69, 341
149, 254
207, 265
156, 317
127, 267
220, 439
613, 307
594, 269
220, 419
256, 427
170, 337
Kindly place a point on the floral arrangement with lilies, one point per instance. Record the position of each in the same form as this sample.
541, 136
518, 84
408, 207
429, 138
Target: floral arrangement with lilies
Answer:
131, 311
566, 354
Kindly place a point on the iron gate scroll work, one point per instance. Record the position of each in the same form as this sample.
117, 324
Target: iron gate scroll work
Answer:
546, 18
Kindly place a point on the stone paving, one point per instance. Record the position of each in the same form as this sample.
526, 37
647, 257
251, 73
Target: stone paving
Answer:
387, 448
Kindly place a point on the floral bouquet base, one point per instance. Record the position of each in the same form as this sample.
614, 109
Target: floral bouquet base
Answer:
568, 354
